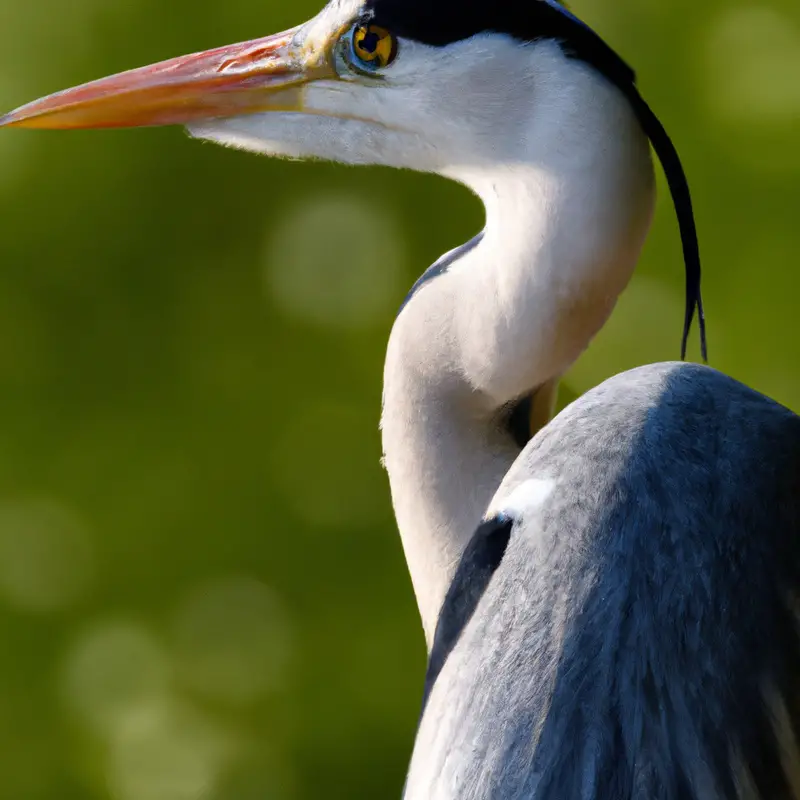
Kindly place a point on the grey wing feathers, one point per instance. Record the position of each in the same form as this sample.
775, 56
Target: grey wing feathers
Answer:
639, 639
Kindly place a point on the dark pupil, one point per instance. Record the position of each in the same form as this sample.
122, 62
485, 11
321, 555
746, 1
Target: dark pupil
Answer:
370, 41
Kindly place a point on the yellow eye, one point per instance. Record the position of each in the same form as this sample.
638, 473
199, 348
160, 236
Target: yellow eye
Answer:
373, 47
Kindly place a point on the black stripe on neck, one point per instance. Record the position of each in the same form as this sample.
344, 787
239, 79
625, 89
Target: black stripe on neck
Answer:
440, 266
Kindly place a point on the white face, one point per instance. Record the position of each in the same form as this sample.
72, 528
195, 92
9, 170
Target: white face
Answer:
432, 109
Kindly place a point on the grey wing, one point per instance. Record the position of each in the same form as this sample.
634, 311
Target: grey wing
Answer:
638, 636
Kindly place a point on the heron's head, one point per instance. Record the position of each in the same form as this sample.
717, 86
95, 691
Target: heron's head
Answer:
448, 86
423, 84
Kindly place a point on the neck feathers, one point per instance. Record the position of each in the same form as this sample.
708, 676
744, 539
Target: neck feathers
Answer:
567, 212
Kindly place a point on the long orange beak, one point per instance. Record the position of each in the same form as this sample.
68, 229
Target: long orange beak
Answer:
260, 75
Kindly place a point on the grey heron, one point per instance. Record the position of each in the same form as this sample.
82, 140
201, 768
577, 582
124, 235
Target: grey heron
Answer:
609, 598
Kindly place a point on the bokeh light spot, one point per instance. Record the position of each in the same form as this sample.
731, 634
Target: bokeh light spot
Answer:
232, 639
749, 60
255, 781
113, 671
46, 556
753, 66
170, 753
336, 259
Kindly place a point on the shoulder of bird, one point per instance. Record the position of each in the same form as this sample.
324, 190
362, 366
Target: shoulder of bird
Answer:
626, 624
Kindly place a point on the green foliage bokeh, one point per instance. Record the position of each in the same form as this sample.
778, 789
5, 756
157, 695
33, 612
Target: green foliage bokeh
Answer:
202, 592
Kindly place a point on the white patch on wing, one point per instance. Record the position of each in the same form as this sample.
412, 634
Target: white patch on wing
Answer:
523, 499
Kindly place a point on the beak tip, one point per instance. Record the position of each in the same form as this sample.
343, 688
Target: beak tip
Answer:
25, 117
13, 119
178, 91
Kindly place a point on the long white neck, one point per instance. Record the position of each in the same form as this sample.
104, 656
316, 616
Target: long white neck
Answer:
566, 218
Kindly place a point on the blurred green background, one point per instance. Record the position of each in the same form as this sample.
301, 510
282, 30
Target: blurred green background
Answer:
202, 592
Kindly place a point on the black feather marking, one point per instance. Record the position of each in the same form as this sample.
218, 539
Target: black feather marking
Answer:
518, 421
440, 266
480, 561
682, 200
443, 22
